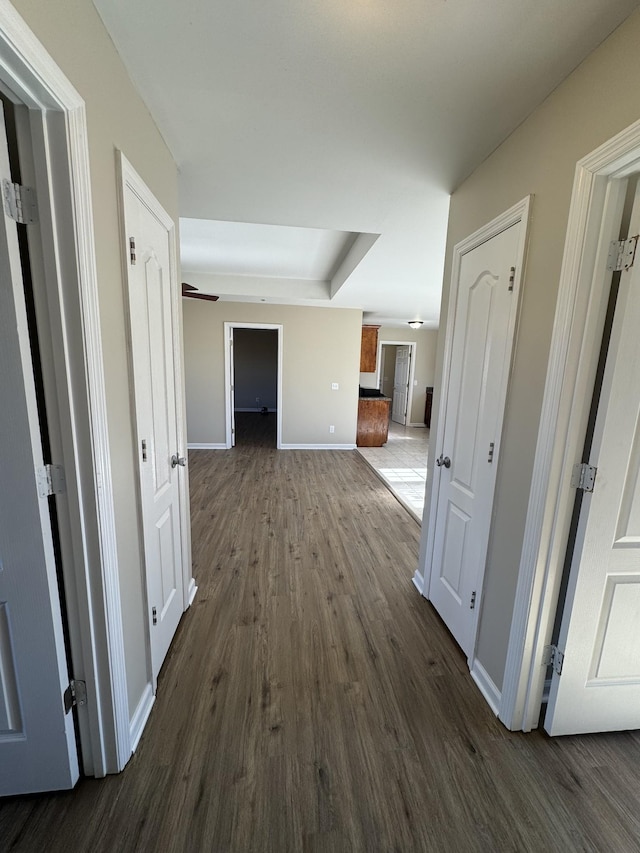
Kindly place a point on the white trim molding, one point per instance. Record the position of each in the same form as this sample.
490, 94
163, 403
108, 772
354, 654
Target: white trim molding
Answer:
220, 445
412, 370
317, 447
594, 219
228, 374
486, 686
30, 73
140, 716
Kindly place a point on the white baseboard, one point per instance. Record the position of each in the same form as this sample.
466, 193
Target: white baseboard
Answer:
317, 447
191, 592
255, 410
417, 424
140, 717
418, 582
487, 687
201, 446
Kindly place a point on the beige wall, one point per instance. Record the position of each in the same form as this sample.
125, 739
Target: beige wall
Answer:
73, 34
320, 346
426, 341
597, 101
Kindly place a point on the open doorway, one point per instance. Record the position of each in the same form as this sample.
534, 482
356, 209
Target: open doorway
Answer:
397, 367
253, 355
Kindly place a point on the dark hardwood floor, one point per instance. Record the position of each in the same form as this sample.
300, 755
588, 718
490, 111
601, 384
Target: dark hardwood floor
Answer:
312, 701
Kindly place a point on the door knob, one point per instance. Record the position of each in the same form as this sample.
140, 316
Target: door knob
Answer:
178, 460
443, 460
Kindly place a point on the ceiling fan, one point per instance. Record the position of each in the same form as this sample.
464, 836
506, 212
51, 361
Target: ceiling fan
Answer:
190, 290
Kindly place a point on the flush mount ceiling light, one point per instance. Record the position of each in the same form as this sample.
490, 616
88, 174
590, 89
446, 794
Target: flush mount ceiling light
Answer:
415, 324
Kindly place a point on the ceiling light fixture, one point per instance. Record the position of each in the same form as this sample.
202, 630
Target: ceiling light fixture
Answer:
415, 324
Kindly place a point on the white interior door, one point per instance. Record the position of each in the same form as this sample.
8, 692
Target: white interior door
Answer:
599, 685
37, 740
482, 337
401, 385
152, 286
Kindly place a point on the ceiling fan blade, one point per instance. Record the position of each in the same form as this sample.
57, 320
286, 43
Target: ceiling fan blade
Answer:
209, 297
190, 290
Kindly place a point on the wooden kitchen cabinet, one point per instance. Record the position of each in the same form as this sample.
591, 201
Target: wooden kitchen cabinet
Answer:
373, 421
369, 349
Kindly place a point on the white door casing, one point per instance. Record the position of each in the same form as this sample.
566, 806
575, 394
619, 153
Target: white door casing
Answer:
594, 220
412, 345
481, 325
599, 685
401, 385
37, 739
230, 436
155, 341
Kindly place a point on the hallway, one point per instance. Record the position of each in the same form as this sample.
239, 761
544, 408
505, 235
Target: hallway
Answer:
312, 701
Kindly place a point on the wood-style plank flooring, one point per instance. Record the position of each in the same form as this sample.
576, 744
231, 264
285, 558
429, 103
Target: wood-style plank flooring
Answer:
312, 701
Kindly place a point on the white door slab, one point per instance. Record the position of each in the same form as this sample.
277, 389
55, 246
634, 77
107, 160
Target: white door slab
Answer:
37, 739
486, 298
152, 286
599, 685
401, 385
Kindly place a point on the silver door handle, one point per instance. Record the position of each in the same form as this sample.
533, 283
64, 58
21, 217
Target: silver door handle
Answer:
443, 460
178, 460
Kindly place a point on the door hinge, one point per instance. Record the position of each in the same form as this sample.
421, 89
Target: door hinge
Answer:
20, 202
512, 278
75, 695
132, 250
144, 449
491, 449
51, 480
472, 605
622, 254
584, 476
154, 615
553, 657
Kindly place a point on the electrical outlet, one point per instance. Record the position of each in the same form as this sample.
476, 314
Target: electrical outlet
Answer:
332, 428
257, 399
334, 386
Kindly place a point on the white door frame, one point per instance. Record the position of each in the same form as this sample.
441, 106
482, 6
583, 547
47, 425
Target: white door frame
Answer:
412, 371
518, 213
129, 178
59, 129
228, 363
594, 218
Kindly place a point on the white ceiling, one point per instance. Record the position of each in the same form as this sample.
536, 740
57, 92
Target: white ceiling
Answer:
358, 116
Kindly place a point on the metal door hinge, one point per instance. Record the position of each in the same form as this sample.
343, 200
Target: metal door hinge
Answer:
584, 476
20, 202
132, 250
553, 657
154, 615
144, 449
51, 480
472, 605
75, 694
622, 254
491, 449
512, 278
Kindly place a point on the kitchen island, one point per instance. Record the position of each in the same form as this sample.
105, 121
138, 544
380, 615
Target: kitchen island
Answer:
373, 418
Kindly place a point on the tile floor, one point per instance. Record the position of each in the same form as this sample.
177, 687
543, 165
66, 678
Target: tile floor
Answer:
402, 465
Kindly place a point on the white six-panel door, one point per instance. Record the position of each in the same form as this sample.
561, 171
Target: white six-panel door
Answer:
160, 460
401, 385
482, 335
37, 739
599, 685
